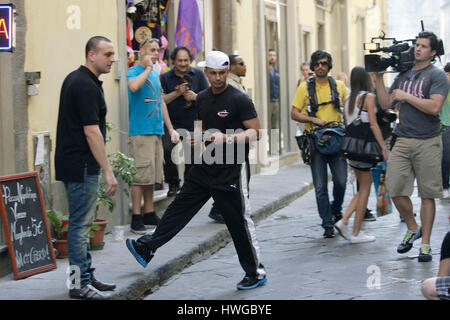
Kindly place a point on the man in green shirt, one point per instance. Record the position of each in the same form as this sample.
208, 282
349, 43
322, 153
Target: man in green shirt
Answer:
444, 115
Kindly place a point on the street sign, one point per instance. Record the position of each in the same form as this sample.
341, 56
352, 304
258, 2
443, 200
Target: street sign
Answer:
6, 27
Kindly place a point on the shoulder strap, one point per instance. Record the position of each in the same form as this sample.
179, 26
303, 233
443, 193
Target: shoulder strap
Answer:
333, 87
334, 93
312, 95
363, 99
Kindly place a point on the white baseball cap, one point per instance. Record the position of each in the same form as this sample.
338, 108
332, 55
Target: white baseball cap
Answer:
215, 60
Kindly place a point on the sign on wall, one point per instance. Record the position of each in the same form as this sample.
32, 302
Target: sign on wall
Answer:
6, 27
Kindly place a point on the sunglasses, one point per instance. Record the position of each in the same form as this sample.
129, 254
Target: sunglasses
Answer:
150, 40
322, 63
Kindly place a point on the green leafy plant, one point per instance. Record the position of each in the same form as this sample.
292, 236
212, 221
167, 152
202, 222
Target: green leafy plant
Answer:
124, 169
57, 219
60, 224
94, 227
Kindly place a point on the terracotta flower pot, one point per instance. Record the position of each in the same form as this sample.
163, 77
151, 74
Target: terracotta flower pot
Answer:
61, 247
97, 242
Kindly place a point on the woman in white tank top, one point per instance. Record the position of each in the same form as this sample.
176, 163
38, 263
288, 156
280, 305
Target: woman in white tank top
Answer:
361, 84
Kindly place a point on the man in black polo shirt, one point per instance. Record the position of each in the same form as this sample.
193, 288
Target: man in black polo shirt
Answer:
80, 153
231, 122
180, 86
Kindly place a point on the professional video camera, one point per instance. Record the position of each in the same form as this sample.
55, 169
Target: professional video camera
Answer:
401, 59
402, 54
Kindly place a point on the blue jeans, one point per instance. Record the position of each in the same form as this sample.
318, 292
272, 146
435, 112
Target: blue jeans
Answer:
319, 170
82, 199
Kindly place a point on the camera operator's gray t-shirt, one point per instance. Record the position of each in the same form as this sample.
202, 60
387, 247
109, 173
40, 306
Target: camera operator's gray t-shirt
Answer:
422, 84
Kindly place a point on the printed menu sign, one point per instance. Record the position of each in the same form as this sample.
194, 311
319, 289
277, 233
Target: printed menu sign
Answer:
25, 225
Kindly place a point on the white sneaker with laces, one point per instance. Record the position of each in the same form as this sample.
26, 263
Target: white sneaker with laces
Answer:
343, 230
361, 238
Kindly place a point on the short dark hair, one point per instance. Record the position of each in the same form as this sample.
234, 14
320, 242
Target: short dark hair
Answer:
175, 51
320, 54
447, 67
93, 42
434, 41
233, 58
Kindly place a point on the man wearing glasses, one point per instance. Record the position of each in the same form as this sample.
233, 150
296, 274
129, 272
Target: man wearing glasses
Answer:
327, 111
238, 69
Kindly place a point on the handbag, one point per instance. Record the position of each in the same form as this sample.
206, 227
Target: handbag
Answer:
359, 143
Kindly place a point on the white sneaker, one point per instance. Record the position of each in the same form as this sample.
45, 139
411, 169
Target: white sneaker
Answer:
446, 194
343, 230
361, 237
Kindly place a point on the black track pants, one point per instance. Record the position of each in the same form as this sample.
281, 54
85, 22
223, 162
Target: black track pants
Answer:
202, 184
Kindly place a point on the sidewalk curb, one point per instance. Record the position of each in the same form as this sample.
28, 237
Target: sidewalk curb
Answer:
149, 283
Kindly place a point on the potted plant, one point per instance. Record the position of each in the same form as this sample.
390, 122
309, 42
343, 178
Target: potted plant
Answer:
60, 225
124, 169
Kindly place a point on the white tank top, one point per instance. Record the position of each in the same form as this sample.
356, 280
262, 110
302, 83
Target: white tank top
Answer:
354, 115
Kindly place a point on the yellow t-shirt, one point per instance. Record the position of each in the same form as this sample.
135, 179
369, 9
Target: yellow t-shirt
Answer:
326, 112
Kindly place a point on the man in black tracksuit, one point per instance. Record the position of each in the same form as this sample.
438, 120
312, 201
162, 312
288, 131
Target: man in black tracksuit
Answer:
230, 120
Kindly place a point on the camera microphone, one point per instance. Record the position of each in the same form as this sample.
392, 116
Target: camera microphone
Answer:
397, 48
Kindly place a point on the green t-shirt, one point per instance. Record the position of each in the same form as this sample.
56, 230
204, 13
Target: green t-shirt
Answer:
444, 115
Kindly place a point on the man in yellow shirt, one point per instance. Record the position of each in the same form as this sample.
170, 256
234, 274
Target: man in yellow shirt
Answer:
325, 109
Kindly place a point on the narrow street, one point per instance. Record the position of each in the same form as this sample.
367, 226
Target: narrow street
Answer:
302, 265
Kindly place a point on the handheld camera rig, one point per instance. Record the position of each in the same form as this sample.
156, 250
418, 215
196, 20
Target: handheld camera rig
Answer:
401, 57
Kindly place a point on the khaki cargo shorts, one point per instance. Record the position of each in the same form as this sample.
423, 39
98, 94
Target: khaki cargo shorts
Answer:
415, 159
147, 151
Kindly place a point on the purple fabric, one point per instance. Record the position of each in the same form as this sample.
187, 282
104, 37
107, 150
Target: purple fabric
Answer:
189, 28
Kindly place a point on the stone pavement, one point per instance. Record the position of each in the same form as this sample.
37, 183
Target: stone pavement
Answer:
202, 237
301, 265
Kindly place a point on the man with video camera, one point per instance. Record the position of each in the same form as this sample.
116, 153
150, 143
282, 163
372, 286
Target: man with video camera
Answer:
419, 94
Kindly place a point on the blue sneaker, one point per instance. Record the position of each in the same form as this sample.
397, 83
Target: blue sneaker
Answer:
407, 242
251, 283
142, 254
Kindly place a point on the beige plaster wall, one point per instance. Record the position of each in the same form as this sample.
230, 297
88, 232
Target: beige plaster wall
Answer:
55, 45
